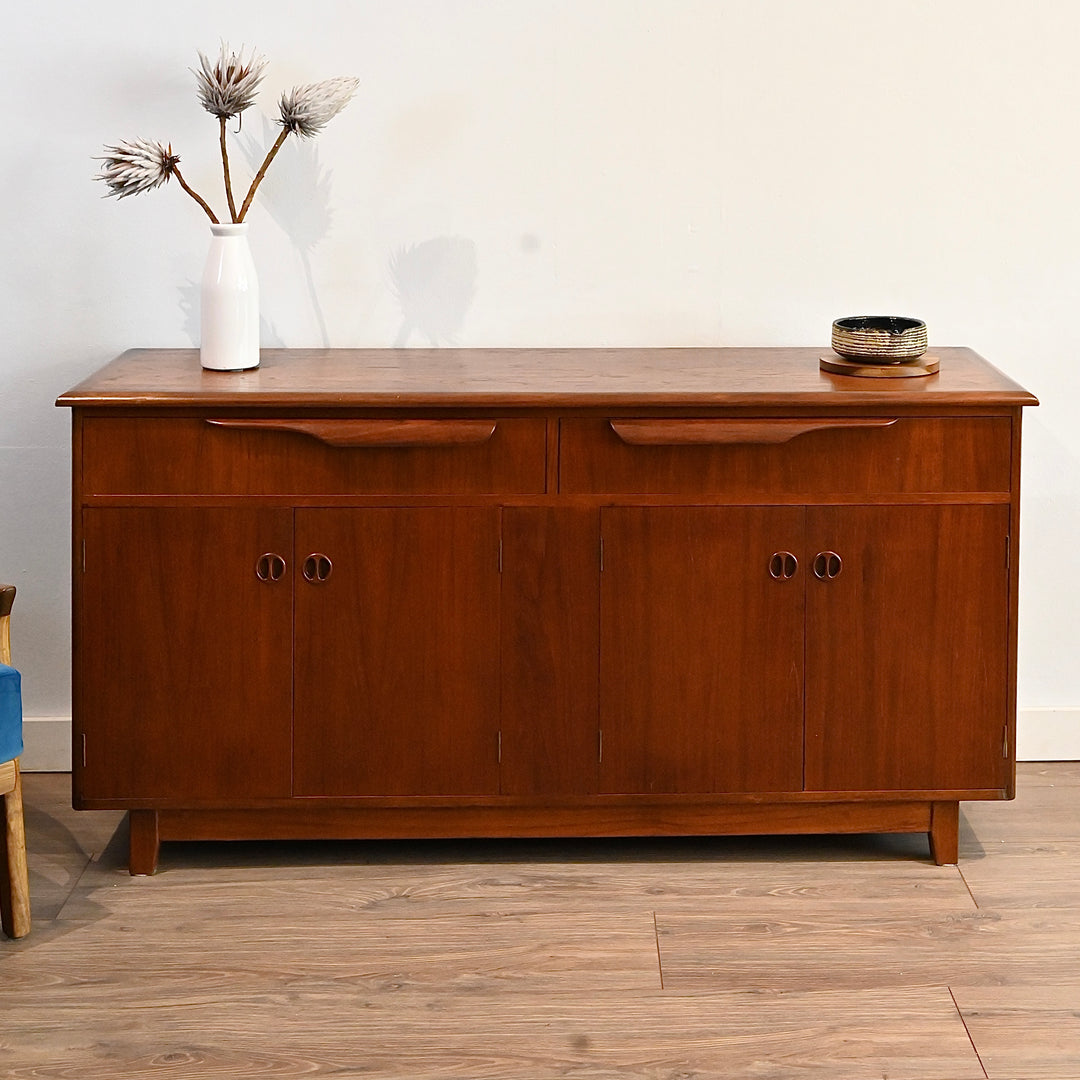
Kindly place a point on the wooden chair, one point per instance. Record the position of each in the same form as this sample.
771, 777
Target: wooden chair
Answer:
14, 882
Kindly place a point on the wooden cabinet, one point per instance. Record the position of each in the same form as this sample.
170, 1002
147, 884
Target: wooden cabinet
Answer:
531, 592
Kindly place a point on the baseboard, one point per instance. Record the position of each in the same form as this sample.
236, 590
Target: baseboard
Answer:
1042, 735
1048, 735
46, 744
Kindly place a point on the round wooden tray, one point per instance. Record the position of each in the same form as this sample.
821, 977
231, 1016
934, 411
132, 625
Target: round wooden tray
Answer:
904, 369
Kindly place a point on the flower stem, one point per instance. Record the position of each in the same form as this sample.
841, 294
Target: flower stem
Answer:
198, 198
225, 166
262, 172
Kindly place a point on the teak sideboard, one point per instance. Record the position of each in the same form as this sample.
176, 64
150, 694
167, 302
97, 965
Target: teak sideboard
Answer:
542, 592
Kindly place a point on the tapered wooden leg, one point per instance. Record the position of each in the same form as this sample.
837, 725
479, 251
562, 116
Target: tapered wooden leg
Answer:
945, 832
14, 879
144, 842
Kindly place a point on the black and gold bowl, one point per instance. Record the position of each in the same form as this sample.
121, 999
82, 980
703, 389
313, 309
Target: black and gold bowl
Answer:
879, 339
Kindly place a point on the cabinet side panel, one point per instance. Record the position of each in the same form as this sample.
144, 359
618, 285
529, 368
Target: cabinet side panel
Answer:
906, 659
77, 534
1014, 599
550, 650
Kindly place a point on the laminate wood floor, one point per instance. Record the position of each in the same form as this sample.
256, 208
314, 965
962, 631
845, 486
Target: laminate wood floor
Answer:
811, 958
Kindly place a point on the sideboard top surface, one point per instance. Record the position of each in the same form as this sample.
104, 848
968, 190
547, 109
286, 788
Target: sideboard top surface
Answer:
530, 378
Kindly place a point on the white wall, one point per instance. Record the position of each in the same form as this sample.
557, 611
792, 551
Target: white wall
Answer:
558, 172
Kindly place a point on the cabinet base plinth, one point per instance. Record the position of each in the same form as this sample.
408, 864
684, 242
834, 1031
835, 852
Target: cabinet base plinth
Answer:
312, 821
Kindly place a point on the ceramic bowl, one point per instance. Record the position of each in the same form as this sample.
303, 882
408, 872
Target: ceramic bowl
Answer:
881, 339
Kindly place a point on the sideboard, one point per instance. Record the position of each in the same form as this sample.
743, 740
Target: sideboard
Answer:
542, 592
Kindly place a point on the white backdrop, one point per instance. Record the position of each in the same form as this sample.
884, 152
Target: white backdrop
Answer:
558, 172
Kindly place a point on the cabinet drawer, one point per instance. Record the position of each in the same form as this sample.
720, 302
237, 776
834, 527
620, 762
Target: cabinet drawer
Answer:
784, 456
224, 456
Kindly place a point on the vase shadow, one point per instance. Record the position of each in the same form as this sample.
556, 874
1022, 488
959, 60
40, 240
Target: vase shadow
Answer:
435, 283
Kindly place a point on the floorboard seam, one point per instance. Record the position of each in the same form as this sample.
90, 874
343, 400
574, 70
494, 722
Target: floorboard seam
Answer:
978, 1056
659, 959
968, 887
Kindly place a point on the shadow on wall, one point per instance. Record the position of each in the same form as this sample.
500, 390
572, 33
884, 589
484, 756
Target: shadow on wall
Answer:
296, 195
435, 282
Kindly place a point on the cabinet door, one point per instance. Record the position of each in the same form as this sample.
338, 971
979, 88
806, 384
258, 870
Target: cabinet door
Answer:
906, 657
184, 655
701, 649
397, 683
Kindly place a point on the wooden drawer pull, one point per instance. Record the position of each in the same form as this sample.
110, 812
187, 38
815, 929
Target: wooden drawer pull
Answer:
722, 432
376, 432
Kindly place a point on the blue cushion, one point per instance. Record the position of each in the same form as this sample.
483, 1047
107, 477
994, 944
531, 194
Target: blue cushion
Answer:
11, 744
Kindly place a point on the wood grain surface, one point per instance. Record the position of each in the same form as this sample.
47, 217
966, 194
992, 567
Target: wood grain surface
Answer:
333, 1028
741, 951
549, 644
397, 680
179, 611
889, 708
700, 650
776, 959
1029, 1032
429, 618
402, 378
179, 455
905, 456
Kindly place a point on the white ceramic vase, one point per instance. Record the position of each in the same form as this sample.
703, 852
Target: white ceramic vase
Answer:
229, 302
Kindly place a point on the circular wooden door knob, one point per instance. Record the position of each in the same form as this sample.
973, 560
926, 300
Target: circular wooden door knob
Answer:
317, 568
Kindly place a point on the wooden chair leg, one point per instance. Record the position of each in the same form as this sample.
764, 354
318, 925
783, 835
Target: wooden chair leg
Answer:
945, 832
14, 878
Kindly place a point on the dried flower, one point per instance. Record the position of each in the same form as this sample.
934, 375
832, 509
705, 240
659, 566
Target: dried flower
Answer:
134, 167
308, 109
142, 165
227, 87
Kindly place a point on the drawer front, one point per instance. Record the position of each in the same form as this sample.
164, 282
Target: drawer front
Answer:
223, 456
783, 456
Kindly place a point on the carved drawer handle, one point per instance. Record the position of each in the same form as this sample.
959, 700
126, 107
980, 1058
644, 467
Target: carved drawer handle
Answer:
724, 432
375, 433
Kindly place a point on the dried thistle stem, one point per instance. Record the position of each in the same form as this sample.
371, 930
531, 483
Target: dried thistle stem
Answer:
195, 195
225, 166
278, 143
